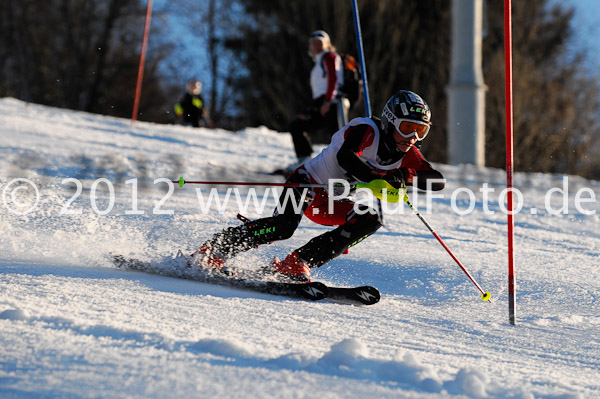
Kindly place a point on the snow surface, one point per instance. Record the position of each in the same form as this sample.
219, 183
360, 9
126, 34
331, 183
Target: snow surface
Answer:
74, 326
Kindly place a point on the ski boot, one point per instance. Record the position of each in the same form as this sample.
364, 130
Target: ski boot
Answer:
205, 258
292, 268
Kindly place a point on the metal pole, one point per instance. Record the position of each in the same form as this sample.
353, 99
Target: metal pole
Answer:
466, 91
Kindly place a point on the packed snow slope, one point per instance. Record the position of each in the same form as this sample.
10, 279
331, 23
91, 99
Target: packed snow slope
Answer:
76, 187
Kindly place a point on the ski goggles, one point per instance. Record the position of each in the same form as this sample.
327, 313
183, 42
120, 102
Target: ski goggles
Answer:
408, 128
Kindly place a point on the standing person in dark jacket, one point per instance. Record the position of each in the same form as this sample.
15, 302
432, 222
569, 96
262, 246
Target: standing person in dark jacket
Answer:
364, 150
190, 109
326, 78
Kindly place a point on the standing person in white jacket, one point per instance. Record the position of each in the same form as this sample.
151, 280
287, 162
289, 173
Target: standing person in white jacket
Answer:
326, 78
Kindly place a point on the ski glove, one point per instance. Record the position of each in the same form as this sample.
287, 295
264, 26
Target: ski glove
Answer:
396, 179
400, 178
409, 174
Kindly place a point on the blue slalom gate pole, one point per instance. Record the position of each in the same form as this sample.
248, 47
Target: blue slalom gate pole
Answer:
361, 58
363, 72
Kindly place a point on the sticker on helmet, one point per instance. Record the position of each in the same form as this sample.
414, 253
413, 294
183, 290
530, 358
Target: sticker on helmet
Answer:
415, 98
423, 111
404, 110
389, 115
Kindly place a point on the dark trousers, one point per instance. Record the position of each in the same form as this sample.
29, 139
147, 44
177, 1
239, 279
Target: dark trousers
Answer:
281, 226
310, 122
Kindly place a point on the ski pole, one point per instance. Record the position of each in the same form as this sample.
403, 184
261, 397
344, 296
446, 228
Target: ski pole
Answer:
380, 188
182, 181
485, 295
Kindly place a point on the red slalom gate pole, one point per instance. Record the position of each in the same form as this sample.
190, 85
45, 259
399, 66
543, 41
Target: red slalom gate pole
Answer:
138, 86
512, 296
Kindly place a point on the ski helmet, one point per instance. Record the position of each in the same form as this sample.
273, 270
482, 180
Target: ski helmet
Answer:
406, 114
193, 86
